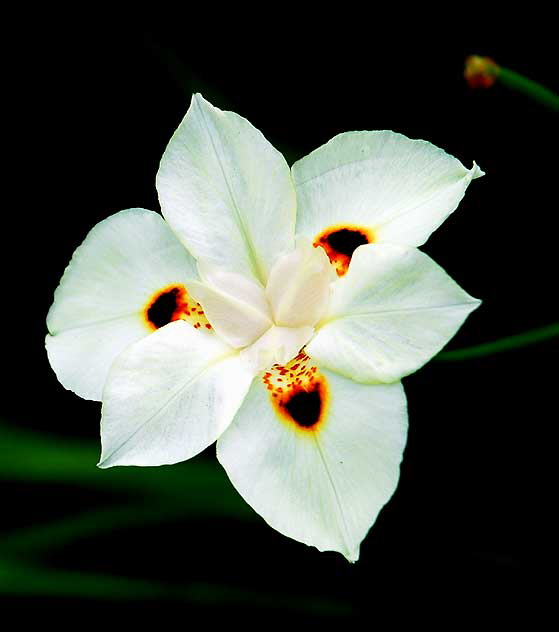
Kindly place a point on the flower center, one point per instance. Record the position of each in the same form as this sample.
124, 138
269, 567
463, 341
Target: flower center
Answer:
340, 242
297, 295
269, 325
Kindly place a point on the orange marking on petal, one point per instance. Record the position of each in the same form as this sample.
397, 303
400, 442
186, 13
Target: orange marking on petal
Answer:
300, 402
339, 242
171, 303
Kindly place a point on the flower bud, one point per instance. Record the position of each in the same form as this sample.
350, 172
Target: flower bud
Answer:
480, 72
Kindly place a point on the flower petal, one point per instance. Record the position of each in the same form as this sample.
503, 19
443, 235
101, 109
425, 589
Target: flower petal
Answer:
99, 306
224, 189
237, 322
235, 284
169, 396
392, 312
299, 286
235, 306
317, 472
381, 183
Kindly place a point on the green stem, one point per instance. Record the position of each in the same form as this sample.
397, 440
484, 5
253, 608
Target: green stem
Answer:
530, 88
503, 344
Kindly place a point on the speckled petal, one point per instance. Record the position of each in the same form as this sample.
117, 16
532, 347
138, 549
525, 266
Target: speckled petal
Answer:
389, 187
100, 305
317, 471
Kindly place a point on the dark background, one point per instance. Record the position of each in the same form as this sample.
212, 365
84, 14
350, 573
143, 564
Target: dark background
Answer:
464, 534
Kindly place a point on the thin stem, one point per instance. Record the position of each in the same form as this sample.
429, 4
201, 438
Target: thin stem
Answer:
530, 88
484, 72
509, 343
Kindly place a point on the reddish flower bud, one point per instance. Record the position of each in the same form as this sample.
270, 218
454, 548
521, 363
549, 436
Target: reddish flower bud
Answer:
480, 72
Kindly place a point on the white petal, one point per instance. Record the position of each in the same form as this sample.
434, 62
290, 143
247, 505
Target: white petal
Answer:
98, 306
277, 346
299, 286
169, 396
238, 311
82, 357
399, 189
227, 192
392, 312
235, 284
323, 485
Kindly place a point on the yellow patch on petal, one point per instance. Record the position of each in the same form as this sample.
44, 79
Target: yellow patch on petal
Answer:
340, 240
172, 303
299, 394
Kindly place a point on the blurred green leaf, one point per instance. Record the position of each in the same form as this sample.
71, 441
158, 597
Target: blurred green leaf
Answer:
199, 486
35, 539
25, 580
158, 494
20, 579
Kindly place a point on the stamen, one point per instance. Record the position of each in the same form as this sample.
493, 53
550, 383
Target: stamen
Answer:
298, 393
174, 303
340, 241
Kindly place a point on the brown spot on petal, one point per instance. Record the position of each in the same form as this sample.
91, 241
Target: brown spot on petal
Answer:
340, 241
301, 402
172, 303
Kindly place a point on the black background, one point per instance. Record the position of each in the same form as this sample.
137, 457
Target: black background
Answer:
464, 535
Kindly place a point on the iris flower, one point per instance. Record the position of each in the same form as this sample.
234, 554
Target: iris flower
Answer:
274, 310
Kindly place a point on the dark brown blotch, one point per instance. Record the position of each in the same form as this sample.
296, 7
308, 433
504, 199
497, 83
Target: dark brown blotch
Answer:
345, 241
163, 308
340, 241
305, 407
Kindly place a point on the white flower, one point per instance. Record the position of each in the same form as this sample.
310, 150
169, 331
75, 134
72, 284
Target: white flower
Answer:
225, 323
